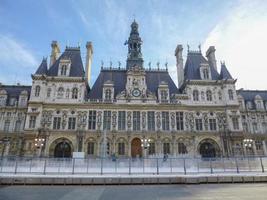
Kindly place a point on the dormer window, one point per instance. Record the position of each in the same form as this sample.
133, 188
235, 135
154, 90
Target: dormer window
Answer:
164, 95
63, 71
37, 91
64, 67
74, 93
205, 72
108, 94
195, 95
2, 101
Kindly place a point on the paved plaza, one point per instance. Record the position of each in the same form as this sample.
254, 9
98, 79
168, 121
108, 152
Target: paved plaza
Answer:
136, 192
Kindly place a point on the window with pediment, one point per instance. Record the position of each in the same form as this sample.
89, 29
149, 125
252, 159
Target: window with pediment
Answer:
195, 95
74, 93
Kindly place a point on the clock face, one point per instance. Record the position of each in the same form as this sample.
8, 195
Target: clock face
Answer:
136, 92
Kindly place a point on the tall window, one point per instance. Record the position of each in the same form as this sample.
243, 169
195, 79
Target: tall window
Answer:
63, 71
179, 121
6, 126
48, 92
60, 92
152, 148
17, 125
219, 95
195, 95
165, 121
91, 148
107, 120
258, 145
74, 93
166, 148
67, 93
206, 74
255, 127
235, 123
209, 95
245, 127
92, 120
230, 95
199, 125
182, 148
32, 122
2, 101
72, 123
136, 120
56, 123
151, 120
108, 94
37, 91
264, 127
212, 124
121, 120
121, 148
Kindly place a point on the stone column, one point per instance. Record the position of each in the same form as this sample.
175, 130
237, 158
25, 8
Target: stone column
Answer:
129, 147
254, 148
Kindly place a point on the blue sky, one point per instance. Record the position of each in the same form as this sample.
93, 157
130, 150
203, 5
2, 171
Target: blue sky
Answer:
238, 30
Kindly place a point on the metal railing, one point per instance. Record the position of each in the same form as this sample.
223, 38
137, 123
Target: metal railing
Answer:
34, 165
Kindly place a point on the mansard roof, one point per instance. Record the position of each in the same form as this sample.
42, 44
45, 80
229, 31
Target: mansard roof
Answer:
76, 68
225, 74
42, 69
14, 91
192, 65
249, 95
118, 77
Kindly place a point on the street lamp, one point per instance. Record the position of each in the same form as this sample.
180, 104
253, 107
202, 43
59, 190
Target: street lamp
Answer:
4, 141
248, 144
145, 144
39, 143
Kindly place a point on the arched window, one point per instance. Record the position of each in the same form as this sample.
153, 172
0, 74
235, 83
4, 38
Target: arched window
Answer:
195, 95
219, 95
67, 93
108, 94
74, 93
48, 92
60, 92
37, 90
209, 95
230, 94
182, 148
63, 71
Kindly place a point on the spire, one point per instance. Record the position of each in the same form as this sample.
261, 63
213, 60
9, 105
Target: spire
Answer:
225, 74
134, 43
42, 69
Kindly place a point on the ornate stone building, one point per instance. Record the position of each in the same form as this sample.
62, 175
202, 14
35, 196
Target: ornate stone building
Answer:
132, 111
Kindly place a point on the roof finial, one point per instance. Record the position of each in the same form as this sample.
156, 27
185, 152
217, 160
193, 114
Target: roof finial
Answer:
102, 64
119, 63
158, 65
149, 65
199, 47
166, 65
188, 47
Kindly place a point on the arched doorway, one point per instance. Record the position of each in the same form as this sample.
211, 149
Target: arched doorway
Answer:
209, 149
136, 148
61, 148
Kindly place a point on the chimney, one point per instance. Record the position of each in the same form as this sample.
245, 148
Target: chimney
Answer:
55, 51
89, 54
210, 54
179, 64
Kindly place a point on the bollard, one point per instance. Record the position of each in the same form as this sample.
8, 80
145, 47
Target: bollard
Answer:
262, 167
73, 165
157, 166
184, 167
45, 167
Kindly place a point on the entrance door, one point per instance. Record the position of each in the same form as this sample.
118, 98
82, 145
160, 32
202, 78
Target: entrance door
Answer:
207, 150
136, 148
62, 150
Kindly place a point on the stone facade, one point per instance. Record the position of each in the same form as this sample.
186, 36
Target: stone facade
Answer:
132, 111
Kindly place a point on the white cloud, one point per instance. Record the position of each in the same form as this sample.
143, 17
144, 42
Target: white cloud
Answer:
15, 53
240, 40
16, 60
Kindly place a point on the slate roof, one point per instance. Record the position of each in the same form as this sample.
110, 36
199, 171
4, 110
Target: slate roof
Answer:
225, 74
191, 69
42, 69
249, 96
13, 91
76, 68
118, 77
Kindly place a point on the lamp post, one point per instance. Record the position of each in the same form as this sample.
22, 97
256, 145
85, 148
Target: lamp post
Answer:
145, 144
248, 145
5, 142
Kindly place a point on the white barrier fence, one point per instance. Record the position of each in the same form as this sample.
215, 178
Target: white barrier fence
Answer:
35, 165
